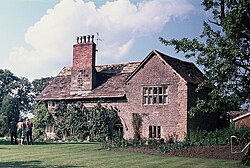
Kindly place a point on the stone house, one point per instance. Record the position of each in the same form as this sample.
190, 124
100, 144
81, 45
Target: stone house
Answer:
161, 89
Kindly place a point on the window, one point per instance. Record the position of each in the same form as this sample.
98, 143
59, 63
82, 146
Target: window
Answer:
154, 131
50, 128
155, 95
72, 130
51, 103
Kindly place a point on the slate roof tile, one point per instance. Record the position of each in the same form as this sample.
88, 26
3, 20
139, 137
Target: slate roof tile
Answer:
110, 83
111, 79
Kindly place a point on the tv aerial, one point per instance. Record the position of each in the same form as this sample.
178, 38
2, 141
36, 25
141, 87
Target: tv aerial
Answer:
97, 40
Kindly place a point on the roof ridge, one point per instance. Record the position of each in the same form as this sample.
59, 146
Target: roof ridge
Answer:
133, 62
172, 57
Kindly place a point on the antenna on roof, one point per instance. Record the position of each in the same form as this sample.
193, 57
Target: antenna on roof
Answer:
97, 40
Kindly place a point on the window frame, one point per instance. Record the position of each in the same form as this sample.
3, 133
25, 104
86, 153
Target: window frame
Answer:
52, 104
154, 131
155, 94
50, 128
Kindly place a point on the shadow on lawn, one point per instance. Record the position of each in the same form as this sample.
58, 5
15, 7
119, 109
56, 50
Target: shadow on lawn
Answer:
61, 143
31, 164
5, 142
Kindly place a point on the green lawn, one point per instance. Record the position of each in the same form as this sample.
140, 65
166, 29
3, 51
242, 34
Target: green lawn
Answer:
69, 155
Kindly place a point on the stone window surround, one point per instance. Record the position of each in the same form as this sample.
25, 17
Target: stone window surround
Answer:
154, 131
156, 94
50, 128
51, 103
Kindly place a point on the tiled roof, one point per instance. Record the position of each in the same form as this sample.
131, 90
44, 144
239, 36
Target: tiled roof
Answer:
112, 78
110, 83
236, 114
241, 116
186, 70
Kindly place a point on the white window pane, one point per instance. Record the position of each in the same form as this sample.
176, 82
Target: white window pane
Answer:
155, 90
150, 91
145, 100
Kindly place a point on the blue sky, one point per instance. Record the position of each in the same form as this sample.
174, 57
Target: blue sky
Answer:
37, 35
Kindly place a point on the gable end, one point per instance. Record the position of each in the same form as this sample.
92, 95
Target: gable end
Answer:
186, 70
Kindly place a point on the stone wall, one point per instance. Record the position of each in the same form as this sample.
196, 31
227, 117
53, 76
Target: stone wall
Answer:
172, 116
83, 73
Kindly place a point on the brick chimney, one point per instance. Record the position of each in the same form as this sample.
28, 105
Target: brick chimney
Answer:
83, 73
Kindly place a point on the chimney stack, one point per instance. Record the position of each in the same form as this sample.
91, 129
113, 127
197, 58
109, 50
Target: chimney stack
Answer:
83, 73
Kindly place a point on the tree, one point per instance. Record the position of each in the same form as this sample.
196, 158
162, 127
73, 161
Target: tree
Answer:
9, 110
223, 51
15, 98
42, 118
24, 95
40, 84
7, 81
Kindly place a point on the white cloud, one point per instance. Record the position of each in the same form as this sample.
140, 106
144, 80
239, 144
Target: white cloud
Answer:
119, 24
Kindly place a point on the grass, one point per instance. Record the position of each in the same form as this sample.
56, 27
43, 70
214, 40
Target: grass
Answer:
73, 155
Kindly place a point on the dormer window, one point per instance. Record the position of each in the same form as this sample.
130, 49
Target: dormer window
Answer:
51, 103
155, 95
50, 128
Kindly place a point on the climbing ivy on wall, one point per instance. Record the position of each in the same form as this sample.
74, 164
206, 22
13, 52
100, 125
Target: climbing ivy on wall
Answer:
42, 117
137, 124
76, 121
79, 120
71, 120
101, 119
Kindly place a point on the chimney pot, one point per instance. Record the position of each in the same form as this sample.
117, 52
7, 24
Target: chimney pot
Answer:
77, 40
83, 73
92, 38
84, 39
81, 39
88, 38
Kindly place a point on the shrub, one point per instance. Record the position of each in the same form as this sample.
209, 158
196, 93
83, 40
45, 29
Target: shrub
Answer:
42, 117
174, 146
218, 137
172, 138
205, 138
246, 159
137, 124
